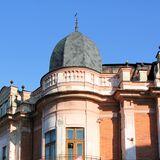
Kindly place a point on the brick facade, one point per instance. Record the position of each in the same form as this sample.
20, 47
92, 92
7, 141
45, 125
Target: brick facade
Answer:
146, 136
110, 139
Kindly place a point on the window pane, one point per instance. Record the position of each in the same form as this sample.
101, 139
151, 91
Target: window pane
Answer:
50, 148
53, 135
70, 151
47, 138
70, 134
52, 151
79, 149
47, 153
79, 134
4, 153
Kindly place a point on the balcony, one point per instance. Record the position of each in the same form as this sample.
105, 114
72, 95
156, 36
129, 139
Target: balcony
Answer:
81, 79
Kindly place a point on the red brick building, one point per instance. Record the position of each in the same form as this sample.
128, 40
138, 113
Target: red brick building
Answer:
83, 109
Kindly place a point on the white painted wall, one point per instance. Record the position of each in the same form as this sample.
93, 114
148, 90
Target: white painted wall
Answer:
128, 133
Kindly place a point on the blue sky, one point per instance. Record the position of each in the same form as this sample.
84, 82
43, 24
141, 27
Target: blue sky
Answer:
29, 30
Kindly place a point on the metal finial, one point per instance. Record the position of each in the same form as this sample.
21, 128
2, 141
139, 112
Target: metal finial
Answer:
11, 82
76, 22
23, 87
142, 64
127, 62
158, 55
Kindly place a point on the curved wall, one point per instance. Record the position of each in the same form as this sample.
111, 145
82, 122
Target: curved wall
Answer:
73, 113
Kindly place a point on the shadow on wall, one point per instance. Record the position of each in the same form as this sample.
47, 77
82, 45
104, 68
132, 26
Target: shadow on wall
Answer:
145, 152
147, 139
116, 147
110, 139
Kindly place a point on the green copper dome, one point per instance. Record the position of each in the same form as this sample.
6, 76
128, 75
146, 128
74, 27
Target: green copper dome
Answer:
75, 50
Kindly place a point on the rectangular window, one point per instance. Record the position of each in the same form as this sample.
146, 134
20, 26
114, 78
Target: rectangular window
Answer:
75, 143
50, 145
4, 153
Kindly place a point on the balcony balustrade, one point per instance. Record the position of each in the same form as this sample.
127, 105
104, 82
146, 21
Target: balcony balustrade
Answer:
79, 80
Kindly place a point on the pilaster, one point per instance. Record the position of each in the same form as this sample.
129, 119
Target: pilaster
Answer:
158, 123
156, 94
157, 70
43, 139
128, 131
125, 77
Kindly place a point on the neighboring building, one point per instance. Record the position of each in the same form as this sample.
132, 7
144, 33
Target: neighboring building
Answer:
83, 109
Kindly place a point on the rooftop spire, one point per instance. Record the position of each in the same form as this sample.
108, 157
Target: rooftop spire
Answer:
158, 55
76, 22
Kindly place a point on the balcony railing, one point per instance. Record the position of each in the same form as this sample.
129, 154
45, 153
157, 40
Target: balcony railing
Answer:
71, 157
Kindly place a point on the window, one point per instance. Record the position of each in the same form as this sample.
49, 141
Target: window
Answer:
50, 145
75, 143
3, 108
4, 153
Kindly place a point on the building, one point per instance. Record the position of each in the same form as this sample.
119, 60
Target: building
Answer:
83, 109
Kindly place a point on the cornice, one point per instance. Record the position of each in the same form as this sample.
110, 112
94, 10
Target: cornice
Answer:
129, 94
155, 91
71, 95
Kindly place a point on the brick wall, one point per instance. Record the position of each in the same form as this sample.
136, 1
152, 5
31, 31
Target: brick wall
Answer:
110, 139
146, 136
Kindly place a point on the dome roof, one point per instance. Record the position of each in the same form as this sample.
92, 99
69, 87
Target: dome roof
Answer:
75, 50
